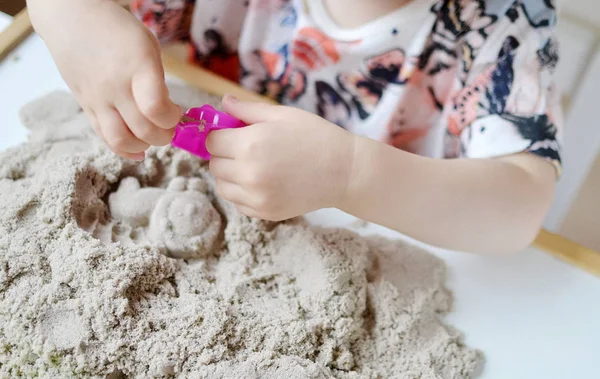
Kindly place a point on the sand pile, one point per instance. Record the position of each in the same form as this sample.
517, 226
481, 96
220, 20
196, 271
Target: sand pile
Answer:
114, 269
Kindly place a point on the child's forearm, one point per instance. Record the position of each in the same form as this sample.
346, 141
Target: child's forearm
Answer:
477, 205
38, 9
45, 14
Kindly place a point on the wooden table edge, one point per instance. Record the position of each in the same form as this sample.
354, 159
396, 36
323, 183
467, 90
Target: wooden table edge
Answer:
15, 33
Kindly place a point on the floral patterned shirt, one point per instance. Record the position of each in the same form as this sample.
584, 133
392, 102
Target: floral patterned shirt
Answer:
440, 78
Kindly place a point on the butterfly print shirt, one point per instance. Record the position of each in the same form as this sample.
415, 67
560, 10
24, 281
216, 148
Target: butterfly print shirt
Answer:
440, 78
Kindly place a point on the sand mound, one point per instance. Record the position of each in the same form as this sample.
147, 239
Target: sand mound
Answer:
114, 269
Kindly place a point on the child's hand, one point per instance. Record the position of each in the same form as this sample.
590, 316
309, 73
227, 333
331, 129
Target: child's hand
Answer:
286, 163
112, 63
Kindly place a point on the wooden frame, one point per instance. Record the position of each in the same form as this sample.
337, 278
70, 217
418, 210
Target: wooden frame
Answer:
555, 245
16, 32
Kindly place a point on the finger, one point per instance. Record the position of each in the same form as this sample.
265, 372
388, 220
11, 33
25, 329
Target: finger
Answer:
232, 192
248, 211
117, 135
151, 95
251, 112
224, 169
138, 157
94, 122
96, 126
224, 143
143, 128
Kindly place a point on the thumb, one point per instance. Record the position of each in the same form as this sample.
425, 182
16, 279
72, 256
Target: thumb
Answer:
250, 112
151, 95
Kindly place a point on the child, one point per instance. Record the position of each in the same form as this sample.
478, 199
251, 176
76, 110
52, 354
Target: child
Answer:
429, 79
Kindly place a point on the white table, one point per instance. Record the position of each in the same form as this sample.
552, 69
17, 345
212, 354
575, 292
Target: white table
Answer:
533, 316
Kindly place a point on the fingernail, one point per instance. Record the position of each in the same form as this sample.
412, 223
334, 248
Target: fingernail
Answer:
138, 157
231, 99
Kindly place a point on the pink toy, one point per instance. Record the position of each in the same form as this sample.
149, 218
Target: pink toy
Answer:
194, 126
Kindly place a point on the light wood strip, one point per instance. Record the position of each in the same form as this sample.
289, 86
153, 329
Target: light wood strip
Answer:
208, 81
569, 251
16, 32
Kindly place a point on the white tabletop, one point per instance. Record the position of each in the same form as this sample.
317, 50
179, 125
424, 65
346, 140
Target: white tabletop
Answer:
533, 316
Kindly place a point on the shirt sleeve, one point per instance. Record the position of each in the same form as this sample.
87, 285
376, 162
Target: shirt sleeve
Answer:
505, 100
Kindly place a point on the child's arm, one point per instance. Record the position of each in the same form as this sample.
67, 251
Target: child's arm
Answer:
289, 162
112, 64
479, 205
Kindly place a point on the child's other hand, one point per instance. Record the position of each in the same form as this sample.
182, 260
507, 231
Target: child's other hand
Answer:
287, 162
112, 63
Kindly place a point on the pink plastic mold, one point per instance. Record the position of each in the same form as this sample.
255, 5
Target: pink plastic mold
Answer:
195, 124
